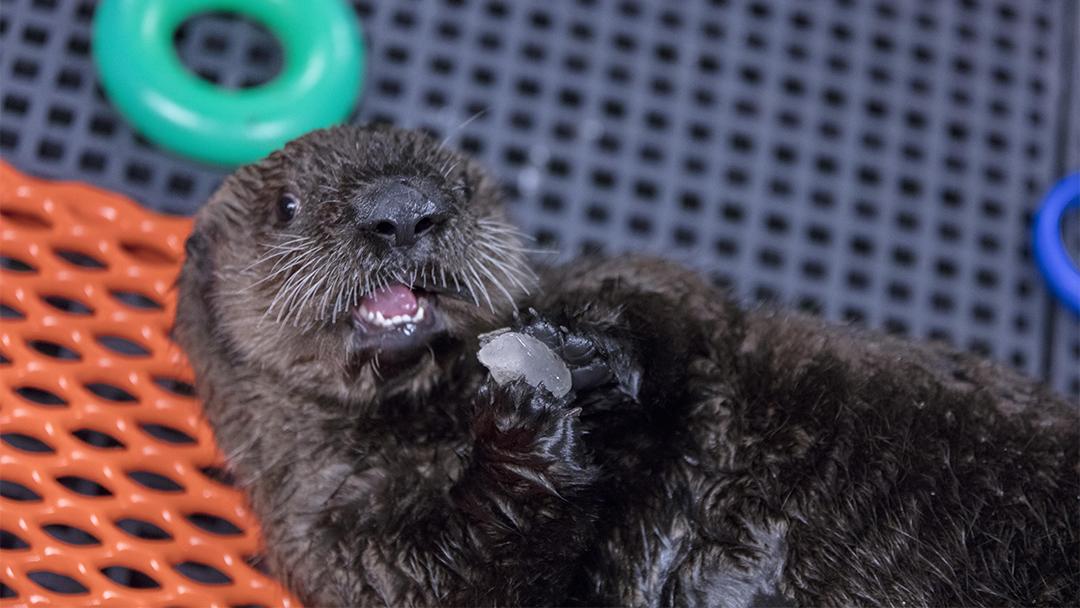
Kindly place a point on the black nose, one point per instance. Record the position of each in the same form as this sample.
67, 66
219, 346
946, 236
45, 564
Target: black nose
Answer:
401, 214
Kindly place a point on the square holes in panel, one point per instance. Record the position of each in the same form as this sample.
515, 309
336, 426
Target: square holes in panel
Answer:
55, 121
1065, 332
874, 161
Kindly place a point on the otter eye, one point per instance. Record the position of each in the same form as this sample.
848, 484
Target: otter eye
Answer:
288, 205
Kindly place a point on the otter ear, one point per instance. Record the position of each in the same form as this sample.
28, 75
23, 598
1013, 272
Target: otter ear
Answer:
196, 251
194, 282
222, 214
198, 269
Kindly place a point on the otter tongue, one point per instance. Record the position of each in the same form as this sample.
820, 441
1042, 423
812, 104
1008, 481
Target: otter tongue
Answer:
392, 301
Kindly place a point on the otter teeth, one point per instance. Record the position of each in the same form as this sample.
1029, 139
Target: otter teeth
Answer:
377, 318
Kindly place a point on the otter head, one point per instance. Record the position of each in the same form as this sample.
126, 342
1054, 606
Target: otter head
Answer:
351, 257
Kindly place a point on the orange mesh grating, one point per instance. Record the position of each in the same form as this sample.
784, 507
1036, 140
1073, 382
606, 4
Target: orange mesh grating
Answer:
111, 485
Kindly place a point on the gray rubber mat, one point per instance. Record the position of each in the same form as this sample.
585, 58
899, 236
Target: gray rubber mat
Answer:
873, 161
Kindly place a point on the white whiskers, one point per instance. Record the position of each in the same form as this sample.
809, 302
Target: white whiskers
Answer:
311, 283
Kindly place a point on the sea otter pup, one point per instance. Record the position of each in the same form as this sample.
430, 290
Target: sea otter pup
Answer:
705, 454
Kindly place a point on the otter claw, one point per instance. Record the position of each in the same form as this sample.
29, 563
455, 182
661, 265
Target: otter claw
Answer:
588, 368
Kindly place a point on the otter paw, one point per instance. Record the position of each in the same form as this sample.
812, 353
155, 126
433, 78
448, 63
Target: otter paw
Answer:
527, 434
585, 355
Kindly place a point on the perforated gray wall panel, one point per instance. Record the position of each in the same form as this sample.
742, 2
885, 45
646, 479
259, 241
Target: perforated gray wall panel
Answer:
1065, 340
874, 161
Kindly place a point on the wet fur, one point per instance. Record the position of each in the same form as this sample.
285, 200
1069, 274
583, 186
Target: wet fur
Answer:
730, 457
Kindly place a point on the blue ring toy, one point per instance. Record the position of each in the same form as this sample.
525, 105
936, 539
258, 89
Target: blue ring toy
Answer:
1061, 273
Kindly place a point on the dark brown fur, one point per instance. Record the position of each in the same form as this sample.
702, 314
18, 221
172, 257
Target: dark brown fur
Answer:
728, 457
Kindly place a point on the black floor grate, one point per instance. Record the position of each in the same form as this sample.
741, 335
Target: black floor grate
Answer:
874, 161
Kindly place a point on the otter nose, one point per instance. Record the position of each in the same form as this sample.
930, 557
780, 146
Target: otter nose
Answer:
401, 214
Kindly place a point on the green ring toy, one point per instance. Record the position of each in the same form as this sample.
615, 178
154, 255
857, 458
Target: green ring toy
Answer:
143, 76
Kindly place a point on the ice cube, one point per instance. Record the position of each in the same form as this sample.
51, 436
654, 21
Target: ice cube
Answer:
510, 356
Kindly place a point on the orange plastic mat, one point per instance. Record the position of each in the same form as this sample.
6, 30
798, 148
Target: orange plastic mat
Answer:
112, 488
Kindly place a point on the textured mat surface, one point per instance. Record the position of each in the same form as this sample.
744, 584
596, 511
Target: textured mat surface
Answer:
111, 488
875, 161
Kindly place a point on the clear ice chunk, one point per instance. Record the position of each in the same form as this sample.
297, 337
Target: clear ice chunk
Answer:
510, 356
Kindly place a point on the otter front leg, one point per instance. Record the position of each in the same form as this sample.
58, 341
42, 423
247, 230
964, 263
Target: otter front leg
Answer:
508, 531
524, 497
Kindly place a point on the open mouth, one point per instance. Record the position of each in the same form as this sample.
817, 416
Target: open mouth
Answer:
396, 321
395, 307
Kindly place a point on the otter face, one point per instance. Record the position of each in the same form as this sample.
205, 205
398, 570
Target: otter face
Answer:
350, 248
